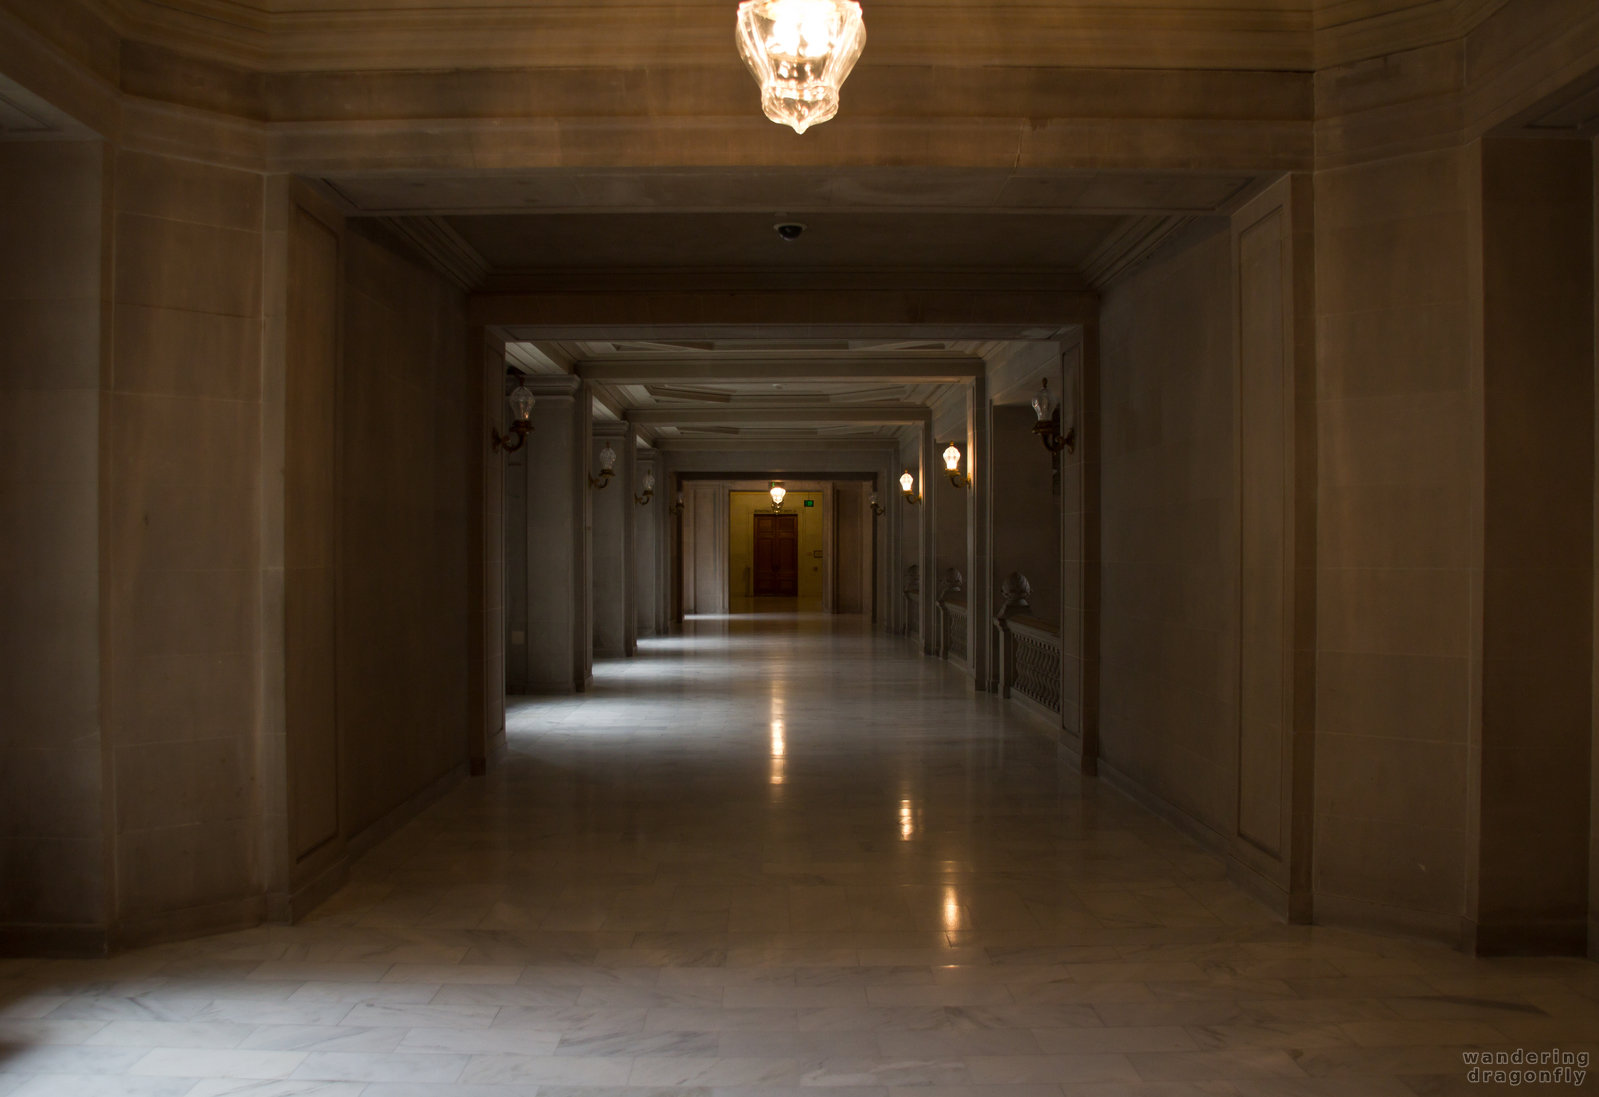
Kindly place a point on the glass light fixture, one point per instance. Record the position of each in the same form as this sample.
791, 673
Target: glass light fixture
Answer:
952, 465
1044, 403
1047, 409
777, 493
877, 507
521, 401
800, 52
907, 487
649, 489
607, 468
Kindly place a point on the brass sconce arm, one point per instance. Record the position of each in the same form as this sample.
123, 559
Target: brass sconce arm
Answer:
510, 443
1048, 432
1047, 409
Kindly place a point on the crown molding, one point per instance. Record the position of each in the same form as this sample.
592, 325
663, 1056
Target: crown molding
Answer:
1351, 31
452, 34
1129, 246
442, 247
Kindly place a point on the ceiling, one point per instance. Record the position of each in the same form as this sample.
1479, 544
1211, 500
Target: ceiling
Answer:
833, 240
765, 392
714, 229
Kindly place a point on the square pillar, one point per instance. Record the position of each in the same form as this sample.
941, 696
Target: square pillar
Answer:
615, 627
648, 540
979, 547
547, 520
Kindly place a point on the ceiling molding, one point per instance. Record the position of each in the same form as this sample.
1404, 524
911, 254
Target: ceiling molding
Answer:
802, 415
461, 33
1350, 31
536, 358
1130, 245
442, 247
796, 368
731, 445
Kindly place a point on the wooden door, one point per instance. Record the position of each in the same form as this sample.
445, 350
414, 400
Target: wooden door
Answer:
776, 555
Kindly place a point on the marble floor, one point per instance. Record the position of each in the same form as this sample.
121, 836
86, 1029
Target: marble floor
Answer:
782, 855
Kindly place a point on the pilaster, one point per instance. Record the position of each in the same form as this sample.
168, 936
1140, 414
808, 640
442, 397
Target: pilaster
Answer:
615, 630
547, 497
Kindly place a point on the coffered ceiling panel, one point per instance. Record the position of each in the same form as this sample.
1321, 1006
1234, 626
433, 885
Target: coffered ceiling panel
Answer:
831, 241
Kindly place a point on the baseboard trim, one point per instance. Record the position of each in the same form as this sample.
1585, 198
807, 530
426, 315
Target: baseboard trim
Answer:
180, 925
1348, 912
1554, 937
402, 814
51, 942
1262, 889
315, 891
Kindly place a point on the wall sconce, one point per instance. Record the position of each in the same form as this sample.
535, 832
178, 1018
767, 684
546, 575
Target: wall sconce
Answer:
649, 489
677, 507
521, 401
907, 487
777, 493
1047, 408
878, 509
607, 469
952, 465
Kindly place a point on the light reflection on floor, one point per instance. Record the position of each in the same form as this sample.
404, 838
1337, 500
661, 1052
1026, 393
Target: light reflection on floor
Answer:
779, 855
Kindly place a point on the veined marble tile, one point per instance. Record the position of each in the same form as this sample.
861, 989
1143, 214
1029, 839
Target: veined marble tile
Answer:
512, 1070
230, 1063
922, 904
323, 1038
360, 1066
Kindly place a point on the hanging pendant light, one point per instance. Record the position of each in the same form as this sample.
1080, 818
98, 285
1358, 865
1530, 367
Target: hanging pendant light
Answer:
800, 52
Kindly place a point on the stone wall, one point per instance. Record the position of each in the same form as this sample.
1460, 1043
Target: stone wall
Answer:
1168, 681
53, 891
1399, 549
1532, 812
182, 540
404, 535
379, 429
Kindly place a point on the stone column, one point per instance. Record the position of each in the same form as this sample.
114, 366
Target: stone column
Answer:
612, 502
979, 591
648, 539
1528, 786
547, 524
928, 560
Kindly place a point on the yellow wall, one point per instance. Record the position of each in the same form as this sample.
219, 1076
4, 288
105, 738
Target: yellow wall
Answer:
742, 508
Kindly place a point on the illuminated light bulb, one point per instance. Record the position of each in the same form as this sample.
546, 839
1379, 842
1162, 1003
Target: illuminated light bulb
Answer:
800, 53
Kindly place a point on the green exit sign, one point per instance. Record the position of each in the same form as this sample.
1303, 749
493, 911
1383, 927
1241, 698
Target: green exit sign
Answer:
810, 502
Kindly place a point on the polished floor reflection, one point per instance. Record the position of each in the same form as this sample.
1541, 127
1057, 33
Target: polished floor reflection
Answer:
772, 855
